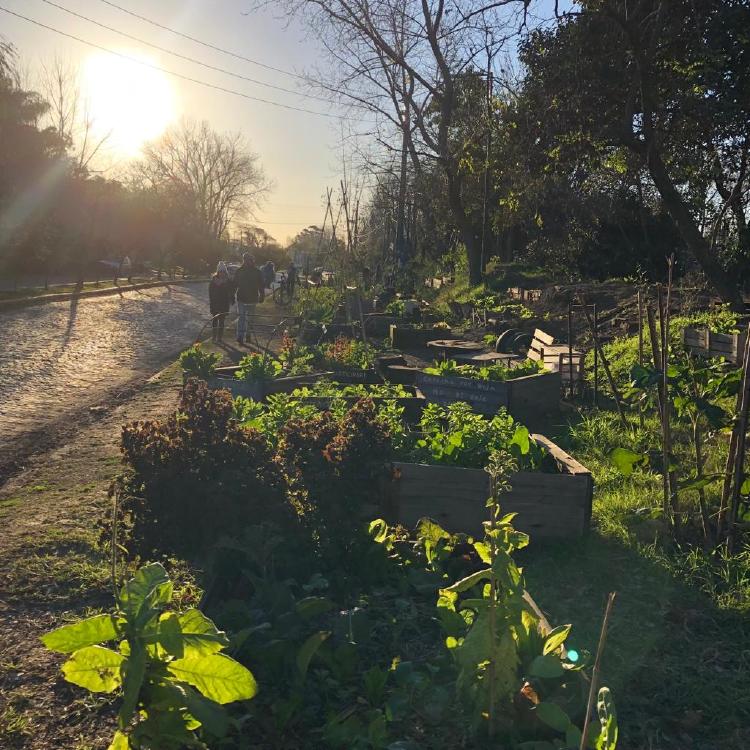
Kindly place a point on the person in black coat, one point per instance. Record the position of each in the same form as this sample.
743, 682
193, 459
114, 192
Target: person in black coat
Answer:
250, 291
220, 296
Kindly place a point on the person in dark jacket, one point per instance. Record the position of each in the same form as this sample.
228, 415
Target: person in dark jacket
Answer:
268, 272
291, 279
249, 284
220, 294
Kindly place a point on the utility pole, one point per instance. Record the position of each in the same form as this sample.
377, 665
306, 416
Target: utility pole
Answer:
488, 145
400, 217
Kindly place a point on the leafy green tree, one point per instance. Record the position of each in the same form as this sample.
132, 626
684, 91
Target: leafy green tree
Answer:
658, 87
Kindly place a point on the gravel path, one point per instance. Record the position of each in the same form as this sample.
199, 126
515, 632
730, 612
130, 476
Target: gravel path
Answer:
59, 358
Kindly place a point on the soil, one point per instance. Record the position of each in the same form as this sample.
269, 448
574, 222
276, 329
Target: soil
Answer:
52, 570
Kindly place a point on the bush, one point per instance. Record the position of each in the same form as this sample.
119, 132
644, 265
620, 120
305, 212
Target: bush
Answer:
334, 470
197, 475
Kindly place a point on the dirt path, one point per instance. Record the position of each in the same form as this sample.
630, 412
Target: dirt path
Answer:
60, 359
50, 570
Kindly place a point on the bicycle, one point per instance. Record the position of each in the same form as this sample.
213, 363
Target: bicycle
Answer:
281, 294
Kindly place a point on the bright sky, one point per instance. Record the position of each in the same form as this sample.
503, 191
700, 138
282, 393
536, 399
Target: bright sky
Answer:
299, 151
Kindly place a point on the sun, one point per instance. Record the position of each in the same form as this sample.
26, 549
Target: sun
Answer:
129, 102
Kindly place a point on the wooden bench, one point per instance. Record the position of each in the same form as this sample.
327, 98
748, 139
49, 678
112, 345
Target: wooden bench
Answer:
556, 357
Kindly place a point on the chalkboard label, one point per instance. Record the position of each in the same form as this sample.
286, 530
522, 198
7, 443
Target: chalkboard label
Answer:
485, 396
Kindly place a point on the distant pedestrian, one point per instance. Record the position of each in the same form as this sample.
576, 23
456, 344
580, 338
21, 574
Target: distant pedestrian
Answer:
220, 293
249, 284
291, 279
269, 273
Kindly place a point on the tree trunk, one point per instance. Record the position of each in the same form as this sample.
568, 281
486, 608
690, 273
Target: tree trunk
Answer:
726, 287
465, 227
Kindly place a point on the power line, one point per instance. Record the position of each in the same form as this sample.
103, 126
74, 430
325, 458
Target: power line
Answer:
170, 72
180, 55
202, 43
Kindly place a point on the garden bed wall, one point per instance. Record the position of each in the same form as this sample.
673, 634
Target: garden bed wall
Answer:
706, 343
415, 338
526, 398
258, 390
548, 505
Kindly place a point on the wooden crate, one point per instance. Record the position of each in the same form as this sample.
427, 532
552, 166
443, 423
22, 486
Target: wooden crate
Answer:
525, 398
556, 357
706, 343
548, 505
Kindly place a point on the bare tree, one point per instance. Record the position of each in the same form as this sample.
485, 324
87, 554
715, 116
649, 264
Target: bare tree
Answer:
402, 60
69, 113
217, 171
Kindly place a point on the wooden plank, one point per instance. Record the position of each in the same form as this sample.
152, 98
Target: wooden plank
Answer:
486, 397
548, 505
543, 337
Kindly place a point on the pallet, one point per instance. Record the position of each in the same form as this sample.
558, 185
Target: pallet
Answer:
706, 343
548, 505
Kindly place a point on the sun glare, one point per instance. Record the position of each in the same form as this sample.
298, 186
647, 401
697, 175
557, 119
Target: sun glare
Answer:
131, 103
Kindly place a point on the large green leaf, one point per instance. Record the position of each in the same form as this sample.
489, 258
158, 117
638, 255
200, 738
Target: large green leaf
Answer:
95, 668
89, 632
698, 483
546, 666
200, 636
556, 638
521, 440
312, 606
605, 707
553, 716
133, 672
147, 589
469, 581
308, 648
211, 715
216, 676
626, 460
169, 635
119, 742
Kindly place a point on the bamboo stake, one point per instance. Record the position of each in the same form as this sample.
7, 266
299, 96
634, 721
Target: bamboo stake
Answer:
667, 423
570, 349
656, 354
640, 346
595, 673
739, 457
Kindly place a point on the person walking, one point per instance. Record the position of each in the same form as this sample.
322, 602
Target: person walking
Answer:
291, 279
269, 274
220, 293
249, 284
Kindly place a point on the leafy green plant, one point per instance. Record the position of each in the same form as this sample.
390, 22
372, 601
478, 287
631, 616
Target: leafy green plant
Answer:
396, 307
456, 436
513, 676
166, 665
347, 354
497, 372
294, 358
331, 389
198, 363
317, 305
259, 367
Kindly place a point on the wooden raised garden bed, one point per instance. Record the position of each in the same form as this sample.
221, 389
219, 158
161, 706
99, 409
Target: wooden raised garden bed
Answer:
706, 343
548, 505
259, 389
527, 397
415, 338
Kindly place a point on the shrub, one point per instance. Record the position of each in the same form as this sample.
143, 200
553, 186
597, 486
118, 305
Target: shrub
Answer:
334, 468
197, 475
347, 353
